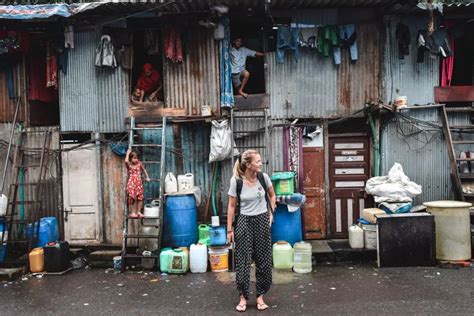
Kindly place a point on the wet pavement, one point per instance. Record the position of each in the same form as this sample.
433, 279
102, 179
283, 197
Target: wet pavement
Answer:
330, 289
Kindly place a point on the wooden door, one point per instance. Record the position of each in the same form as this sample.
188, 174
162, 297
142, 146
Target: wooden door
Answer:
314, 211
349, 169
81, 218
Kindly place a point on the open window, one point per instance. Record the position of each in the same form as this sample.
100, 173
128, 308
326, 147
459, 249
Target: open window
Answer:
252, 32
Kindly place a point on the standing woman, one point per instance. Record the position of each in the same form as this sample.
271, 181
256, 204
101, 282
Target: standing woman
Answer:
253, 228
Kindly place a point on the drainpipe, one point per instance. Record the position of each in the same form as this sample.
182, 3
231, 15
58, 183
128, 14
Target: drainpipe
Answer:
376, 145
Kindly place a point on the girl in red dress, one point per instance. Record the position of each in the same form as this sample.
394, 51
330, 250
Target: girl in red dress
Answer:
135, 185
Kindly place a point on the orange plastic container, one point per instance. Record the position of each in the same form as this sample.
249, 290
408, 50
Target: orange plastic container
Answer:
36, 258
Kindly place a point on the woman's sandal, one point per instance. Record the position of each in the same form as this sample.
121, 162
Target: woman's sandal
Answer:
262, 306
241, 308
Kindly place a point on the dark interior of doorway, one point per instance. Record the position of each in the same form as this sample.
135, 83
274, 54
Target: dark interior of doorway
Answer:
349, 125
463, 33
41, 113
252, 32
142, 57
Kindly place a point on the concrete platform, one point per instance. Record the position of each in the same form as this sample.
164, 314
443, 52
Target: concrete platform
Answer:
103, 258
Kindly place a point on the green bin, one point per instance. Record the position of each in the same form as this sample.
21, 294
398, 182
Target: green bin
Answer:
284, 182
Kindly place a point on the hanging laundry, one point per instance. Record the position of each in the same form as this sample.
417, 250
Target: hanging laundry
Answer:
105, 56
287, 41
122, 40
447, 64
63, 57
308, 37
402, 33
227, 95
173, 47
14, 42
347, 38
151, 42
326, 39
51, 66
37, 75
69, 36
436, 44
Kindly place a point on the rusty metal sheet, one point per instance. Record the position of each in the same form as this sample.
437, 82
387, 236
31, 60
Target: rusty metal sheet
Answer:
7, 105
314, 211
359, 81
454, 94
195, 82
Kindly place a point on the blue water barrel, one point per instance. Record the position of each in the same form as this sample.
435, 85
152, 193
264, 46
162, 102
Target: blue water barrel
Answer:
48, 231
287, 225
180, 221
3, 246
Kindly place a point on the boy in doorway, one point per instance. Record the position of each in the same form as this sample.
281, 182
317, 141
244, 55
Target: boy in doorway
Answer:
238, 57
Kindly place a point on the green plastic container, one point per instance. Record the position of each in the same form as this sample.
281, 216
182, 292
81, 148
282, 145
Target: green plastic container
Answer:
164, 259
178, 261
203, 231
284, 182
205, 241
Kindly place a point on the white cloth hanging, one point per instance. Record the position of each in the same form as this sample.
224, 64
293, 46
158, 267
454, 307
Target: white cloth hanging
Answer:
105, 56
69, 36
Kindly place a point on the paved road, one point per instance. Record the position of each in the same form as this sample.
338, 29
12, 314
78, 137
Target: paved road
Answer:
330, 290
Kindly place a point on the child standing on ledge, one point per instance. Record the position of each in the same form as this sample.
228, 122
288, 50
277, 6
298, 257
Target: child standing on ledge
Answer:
135, 185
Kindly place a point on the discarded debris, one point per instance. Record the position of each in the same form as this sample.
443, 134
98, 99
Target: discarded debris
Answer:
144, 294
333, 288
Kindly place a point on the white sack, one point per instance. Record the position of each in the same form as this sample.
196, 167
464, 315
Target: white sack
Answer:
395, 187
221, 141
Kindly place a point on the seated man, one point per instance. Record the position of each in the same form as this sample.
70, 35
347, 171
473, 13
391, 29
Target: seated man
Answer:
148, 85
238, 57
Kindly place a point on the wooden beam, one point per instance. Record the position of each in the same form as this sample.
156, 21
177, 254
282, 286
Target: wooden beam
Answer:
454, 94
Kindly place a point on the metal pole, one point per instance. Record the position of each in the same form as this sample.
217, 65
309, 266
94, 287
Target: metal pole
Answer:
9, 145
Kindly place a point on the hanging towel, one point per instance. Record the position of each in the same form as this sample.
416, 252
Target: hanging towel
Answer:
173, 47
105, 56
37, 75
447, 64
69, 36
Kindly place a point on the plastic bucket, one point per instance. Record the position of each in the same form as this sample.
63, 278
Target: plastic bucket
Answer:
218, 236
219, 259
284, 183
370, 236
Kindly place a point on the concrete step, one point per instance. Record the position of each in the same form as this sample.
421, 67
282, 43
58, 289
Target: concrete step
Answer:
10, 274
339, 251
102, 258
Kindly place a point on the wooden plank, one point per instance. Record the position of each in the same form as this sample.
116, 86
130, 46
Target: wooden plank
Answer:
154, 109
452, 156
454, 94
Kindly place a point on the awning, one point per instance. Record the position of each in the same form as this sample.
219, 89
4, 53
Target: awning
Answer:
44, 11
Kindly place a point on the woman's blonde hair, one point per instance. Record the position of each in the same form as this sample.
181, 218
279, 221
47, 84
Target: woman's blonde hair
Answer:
241, 164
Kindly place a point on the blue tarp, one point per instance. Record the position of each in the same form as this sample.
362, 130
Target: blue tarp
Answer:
43, 11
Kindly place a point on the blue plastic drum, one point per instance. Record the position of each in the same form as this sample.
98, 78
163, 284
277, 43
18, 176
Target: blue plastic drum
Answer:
180, 221
287, 225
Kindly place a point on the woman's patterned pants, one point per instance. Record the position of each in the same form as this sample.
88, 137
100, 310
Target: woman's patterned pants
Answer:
253, 240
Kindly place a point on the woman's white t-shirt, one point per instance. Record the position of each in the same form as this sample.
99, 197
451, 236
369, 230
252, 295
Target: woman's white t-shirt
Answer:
252, 198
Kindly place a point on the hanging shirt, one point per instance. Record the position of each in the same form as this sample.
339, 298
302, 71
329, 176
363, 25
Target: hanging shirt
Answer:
238, 57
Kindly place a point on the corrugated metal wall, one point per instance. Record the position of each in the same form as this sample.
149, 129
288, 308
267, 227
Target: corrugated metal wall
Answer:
411, 79
422, 152
7, 105
92, 99
315, 87
52, 192
195, 82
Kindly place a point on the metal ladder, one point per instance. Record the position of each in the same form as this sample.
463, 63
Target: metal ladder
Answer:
31, 160
156, 177
459, 179
245, 138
